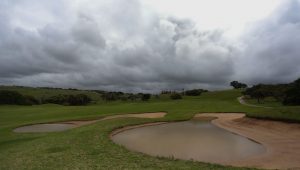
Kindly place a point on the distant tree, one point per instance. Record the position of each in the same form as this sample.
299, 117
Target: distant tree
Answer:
146, 97
292, 95
11, 97
175, 96
194, 92
79, 99
14, 97
57, 99
74, 100
31, 100
110, 96
238, 85
259, 92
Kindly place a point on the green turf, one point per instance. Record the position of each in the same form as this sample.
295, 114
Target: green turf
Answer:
89, 147
267, 102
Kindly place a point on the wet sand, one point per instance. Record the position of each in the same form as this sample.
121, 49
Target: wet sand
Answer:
62, 126
282, 140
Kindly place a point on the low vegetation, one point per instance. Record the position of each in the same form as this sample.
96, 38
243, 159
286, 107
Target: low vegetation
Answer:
73, 100
194, 92
13, 97
175, 96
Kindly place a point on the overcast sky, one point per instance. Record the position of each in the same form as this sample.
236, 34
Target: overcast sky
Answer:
148, 45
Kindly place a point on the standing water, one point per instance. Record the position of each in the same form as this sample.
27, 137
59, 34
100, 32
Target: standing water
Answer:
196, 140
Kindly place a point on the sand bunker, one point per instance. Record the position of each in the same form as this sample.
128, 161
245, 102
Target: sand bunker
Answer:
51, 127
282, 140
62, 126
197, 140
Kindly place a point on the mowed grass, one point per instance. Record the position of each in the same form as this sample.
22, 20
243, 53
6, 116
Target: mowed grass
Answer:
89, 147
267, 102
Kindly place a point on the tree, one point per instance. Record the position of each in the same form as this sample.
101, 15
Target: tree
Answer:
146, 97
194, 92
238, 85
79, 99
14, 97
259, 92
74, 100
292, 95
175, 96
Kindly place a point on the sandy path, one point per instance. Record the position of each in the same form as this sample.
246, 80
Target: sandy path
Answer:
136, 115
282, 140
77, 123
243, 102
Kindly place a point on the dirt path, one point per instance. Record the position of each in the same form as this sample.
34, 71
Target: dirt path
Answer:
243, 102
282, 140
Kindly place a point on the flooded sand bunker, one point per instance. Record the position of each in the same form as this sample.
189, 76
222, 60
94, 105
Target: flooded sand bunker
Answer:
62, 126
197, 140
47, 127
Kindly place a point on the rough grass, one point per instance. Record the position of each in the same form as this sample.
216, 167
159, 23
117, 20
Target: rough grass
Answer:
89, 147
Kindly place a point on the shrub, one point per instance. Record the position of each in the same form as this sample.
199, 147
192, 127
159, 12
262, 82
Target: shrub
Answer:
176, 96
58, 99
31, 100
79, 99
195, 92
75, 100
14, 97
146, 97
292, 95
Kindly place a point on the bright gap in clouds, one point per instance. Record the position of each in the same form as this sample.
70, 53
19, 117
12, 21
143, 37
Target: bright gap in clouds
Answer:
230, 15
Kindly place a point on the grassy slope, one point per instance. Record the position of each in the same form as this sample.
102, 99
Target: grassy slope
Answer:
89, 147
40, 93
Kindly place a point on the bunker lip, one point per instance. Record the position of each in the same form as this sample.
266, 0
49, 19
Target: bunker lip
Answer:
78, 123
280, 139
122, 129
186, 152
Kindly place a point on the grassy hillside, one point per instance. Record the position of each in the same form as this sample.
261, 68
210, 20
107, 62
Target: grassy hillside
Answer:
89, 147
43, 93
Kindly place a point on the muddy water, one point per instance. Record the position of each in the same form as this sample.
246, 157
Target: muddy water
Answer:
51, 127
197, 140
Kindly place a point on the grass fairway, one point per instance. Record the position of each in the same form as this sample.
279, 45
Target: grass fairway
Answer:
89, 147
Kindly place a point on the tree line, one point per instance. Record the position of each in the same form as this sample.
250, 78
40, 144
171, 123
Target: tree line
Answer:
287, 94
15, 98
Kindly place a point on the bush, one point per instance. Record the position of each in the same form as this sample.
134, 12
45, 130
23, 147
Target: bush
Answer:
58, 99
74, 100
176, 96
146, 97
112, 96
13, 97
195, 92
31, 100
292, 95
79, 99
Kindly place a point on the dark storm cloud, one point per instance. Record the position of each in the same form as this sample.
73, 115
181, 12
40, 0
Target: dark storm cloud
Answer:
272, 54
124, 47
